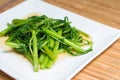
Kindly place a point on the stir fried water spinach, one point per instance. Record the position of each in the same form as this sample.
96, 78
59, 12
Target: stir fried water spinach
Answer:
41, 39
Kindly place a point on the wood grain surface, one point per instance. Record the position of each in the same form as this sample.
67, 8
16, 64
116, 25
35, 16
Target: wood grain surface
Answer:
107, 65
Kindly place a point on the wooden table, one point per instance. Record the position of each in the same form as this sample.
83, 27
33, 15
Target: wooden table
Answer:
107, 65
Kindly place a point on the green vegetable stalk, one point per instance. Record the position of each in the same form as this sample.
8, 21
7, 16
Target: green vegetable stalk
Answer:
35, 50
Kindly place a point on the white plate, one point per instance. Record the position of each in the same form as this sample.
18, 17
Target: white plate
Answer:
65, 68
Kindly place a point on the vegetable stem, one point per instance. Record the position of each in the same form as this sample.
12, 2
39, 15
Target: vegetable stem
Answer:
44, 62
49, 53
3, 33
56, 35
35, 51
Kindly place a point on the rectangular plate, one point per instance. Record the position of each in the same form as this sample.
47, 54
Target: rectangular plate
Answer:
65, 67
